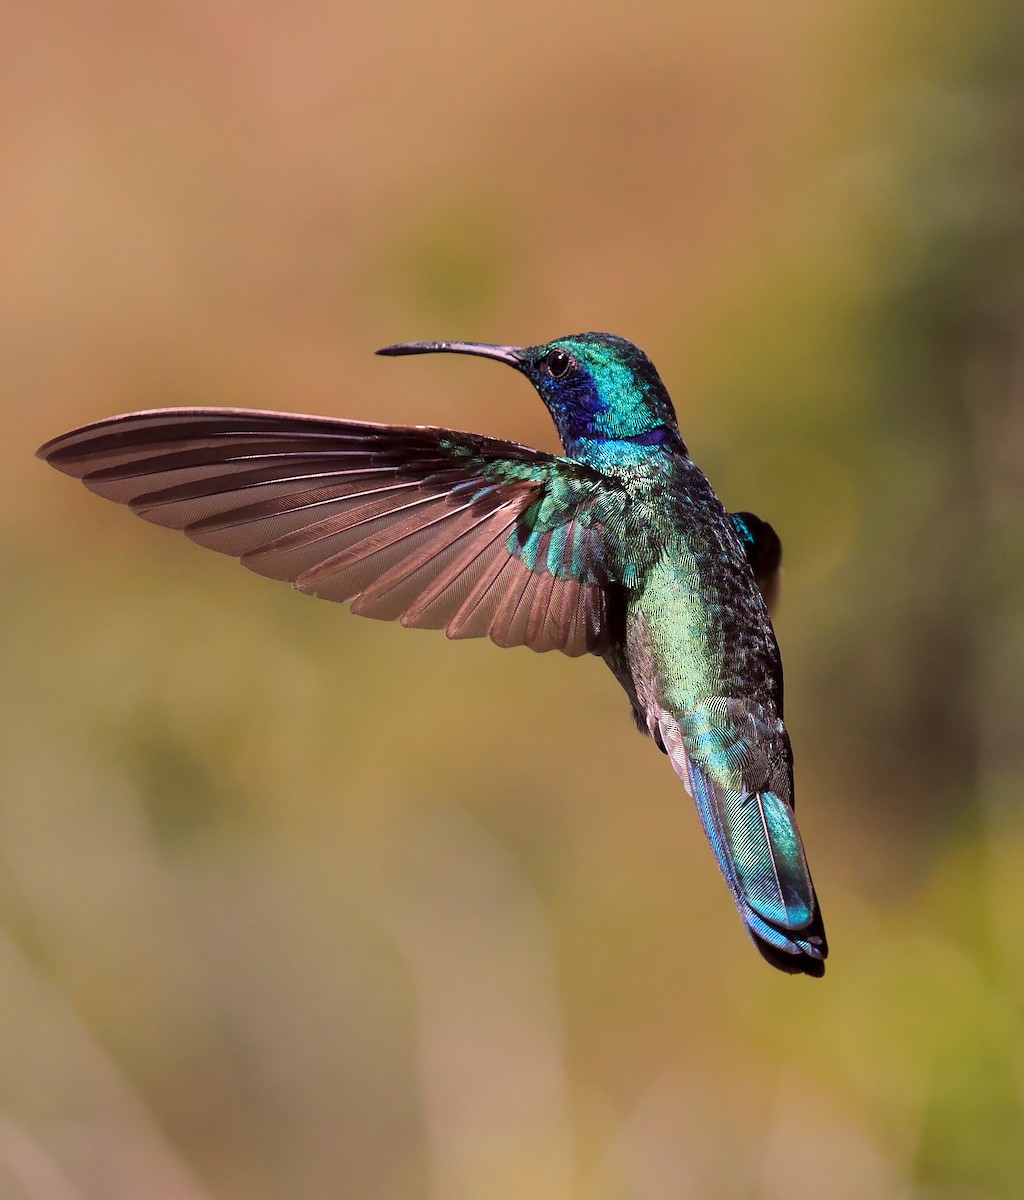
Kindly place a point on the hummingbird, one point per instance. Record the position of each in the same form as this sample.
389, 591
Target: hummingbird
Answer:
618, 548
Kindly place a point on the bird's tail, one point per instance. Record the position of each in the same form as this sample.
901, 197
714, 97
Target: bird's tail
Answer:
756, 841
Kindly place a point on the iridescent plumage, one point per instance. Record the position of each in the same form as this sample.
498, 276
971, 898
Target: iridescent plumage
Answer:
620, 548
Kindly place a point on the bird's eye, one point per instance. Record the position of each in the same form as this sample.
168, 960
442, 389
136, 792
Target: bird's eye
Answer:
558, 364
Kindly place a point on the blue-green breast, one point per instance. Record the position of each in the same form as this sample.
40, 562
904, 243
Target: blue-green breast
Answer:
699, 640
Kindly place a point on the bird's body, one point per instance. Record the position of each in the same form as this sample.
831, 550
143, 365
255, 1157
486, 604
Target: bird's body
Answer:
620, 548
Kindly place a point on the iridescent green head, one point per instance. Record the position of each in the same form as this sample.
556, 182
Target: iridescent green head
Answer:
597, 387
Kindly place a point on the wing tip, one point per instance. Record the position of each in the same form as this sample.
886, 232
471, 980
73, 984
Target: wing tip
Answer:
50, 451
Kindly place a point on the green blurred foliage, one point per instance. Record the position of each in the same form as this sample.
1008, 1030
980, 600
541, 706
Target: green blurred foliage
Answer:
294, 904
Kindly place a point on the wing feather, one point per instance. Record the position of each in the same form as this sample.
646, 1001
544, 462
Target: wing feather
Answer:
763, 549
434, 528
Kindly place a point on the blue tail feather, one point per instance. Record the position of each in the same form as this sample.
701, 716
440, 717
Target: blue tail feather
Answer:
758, 848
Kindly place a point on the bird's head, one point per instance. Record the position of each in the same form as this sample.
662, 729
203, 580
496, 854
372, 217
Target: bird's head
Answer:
597, 387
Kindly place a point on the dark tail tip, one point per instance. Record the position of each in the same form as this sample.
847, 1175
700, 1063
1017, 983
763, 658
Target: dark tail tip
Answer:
808, 948
792, 964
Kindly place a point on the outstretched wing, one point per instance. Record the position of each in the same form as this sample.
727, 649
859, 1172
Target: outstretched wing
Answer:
437, 529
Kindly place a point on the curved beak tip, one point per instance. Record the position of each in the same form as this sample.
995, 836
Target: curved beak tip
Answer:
406, 348
507, 354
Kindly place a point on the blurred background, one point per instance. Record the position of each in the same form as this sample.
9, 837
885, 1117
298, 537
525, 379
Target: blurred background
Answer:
294, 904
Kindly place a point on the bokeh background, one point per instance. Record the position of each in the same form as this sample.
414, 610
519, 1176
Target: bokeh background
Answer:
294, 904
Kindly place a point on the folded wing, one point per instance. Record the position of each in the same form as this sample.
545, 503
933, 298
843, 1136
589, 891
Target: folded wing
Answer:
763, 549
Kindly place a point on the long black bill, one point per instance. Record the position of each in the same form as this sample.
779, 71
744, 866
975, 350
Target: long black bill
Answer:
512, 355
